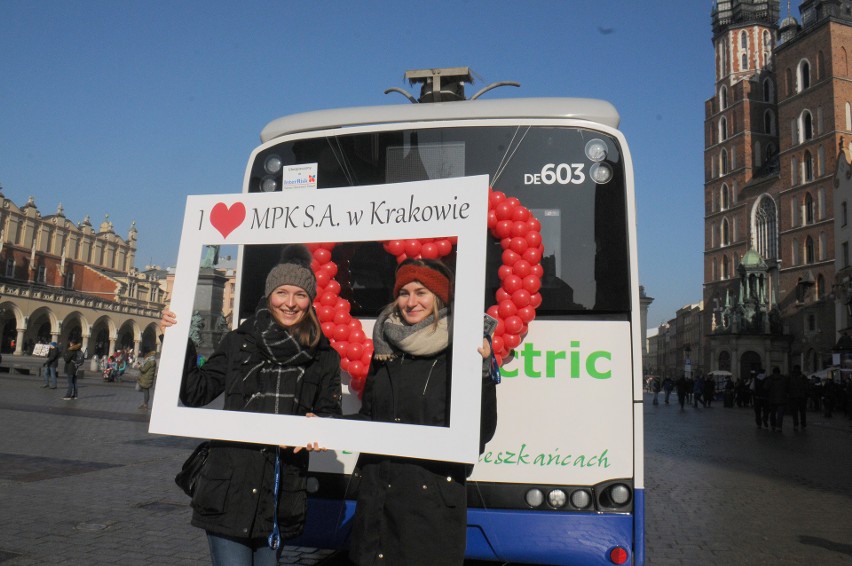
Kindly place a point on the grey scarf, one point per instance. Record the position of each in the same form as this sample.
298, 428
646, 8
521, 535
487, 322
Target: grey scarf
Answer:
391, 335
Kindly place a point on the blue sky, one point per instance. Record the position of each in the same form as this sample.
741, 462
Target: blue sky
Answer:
123, 108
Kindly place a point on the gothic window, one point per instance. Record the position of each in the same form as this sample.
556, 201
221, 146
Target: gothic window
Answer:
744, 41
767, 90
766, 228
723, 129
807, 128
726, 272
41, 276
769, 122
804, 75
10, 267
809, 209
744, 61
809, 167
723, 97
769, 152
726, 232
723, 162
809, 250
724, 197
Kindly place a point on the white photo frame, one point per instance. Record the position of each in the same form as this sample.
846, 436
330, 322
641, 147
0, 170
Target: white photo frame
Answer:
328, 215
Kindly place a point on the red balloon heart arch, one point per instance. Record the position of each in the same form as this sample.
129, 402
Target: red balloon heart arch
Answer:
517, 297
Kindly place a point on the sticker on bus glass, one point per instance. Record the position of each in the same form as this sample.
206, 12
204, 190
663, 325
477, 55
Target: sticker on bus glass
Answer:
302, 176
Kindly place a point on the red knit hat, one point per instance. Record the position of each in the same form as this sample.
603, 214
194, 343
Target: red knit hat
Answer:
430, 278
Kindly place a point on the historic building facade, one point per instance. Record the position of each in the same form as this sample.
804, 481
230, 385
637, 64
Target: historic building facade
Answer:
61, 280
772, 130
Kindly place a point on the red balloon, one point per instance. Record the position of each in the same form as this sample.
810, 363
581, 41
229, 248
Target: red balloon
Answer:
342, 305
339, 347
513, 325
322, 255
526, 314
532, 284
356, 383
505, 243
367, 357
395, 247
492, 311
518, 245
492, 218
412, 248
357, 335
521, 213
444, 247
322, 279
344, 363
535, 300
502, 295
342, 317
500, 328
357, 369
328, 298
512, 283
495, 198
503, 229
429, 251
503, 211
329, 268
401, 257
537, 270
519, 229
333, 287
533, 238
511, 340
521, 268
513, 201
534, 224
532, 255
521, 298
354, 351
325, 313
510, 257
497, 344
506, 309
341, 332
328, 329
504, 271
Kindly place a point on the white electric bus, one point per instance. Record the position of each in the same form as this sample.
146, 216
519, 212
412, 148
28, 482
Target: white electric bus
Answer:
562, 480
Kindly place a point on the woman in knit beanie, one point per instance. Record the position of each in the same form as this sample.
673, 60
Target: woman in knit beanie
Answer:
250, 497
405, 505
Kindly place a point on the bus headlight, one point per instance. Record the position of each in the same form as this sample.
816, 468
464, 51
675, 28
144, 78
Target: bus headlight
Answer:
596, 150
534, 497
273, 164
556, 498
601, 173
620, 494
581, 498
269, 185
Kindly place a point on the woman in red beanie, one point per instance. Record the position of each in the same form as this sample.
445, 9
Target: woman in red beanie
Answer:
412, 511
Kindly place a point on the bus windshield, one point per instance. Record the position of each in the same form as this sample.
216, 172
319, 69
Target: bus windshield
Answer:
583, 222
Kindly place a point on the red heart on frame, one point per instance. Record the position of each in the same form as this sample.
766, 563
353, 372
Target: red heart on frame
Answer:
226, 219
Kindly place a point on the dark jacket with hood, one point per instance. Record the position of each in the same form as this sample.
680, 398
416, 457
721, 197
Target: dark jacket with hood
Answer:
234, 493
413, 511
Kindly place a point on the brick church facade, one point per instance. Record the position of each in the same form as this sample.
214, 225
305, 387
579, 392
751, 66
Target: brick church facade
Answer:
772, 135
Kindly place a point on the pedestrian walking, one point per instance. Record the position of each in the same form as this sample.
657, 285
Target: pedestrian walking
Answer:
709, 392
145, 381
798, 398
760, 396
74, 358
682, 388
413, 512
777, 399
51, 366
668, 385
250, 497
655, 389
697, 391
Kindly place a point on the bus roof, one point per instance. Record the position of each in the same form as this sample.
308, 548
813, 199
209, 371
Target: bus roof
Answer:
592, 110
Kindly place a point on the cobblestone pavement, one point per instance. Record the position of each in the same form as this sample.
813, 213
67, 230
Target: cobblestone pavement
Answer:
721, 491
83, 483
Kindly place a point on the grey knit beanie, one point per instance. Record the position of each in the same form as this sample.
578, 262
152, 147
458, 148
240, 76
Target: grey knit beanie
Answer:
294, 269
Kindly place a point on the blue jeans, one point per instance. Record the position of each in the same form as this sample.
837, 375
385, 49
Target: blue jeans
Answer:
72, 385
227, 551
50, 376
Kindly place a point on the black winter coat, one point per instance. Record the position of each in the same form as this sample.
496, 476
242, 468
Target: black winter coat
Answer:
234, 494
413, 512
